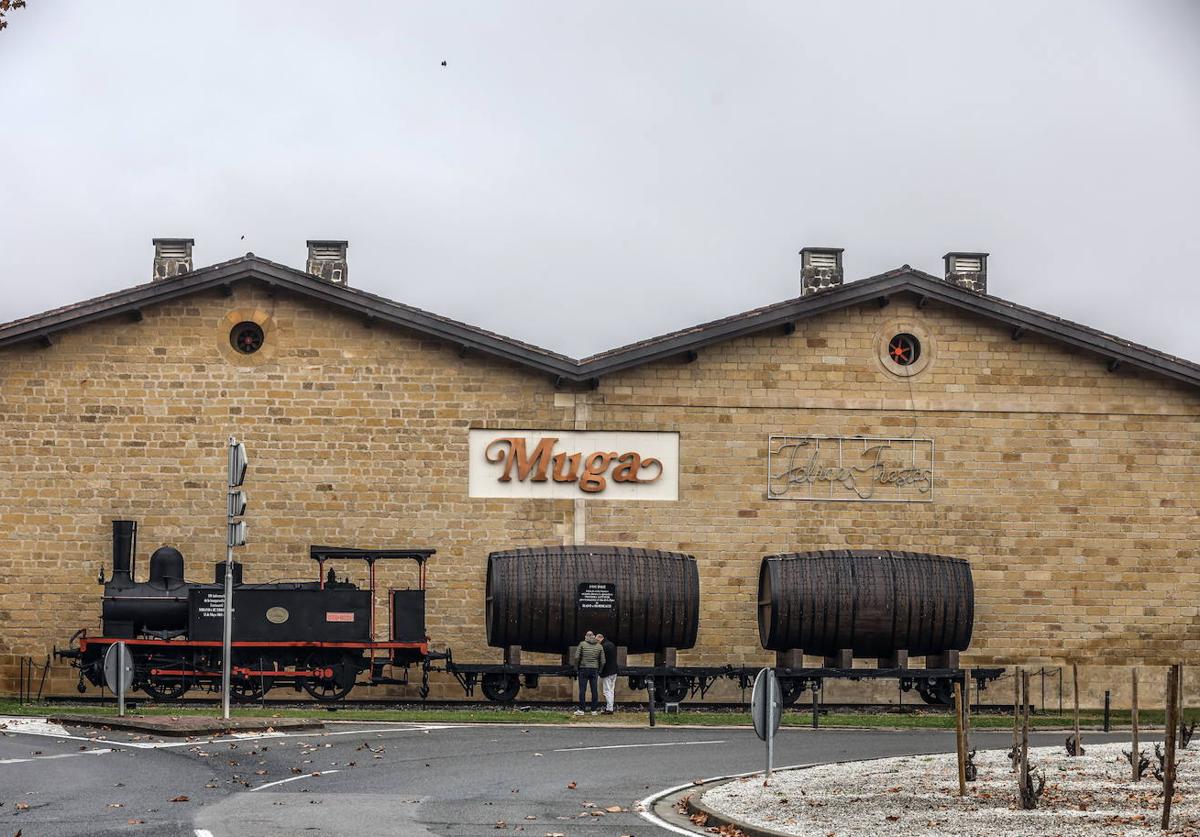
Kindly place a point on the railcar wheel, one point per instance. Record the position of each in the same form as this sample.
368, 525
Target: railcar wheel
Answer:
501, 688
939, 693
671, 689
791, 690
166, 689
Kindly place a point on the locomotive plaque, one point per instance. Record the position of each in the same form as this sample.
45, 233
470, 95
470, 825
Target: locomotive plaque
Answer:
330, 615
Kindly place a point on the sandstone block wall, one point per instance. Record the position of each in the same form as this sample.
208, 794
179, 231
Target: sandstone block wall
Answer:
1071, 490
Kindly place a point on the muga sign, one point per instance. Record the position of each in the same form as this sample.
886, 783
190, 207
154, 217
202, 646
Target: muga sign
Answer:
574, 464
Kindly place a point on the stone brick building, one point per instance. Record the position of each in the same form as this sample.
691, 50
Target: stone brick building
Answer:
1063, 463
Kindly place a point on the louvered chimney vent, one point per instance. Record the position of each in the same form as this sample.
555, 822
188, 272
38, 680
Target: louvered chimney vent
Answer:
327, 260
820, 269
967, 270
172, 256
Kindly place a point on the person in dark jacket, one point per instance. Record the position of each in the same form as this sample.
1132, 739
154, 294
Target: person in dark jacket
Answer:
589, 659
608, 672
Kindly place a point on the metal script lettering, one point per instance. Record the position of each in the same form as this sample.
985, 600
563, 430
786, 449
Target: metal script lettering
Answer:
850, 468
513, 453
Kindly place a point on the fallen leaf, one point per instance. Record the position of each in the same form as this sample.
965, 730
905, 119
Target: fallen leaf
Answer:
181, 798
614, 809
571, 786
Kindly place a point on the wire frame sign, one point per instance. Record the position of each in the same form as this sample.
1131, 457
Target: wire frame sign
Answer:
864, 469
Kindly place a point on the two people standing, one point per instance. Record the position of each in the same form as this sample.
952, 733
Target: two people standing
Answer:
596, 660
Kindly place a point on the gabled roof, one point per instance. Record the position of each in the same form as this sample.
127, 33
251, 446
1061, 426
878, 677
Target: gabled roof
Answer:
923, 286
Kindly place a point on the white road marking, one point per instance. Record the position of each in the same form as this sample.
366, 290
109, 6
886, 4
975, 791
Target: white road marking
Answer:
631, 746
33, 726
313, 775
56, 756
203, 832
38, 727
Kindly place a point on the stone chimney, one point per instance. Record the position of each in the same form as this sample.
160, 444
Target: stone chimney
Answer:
327, 260
820, 269
967, 270
172, 256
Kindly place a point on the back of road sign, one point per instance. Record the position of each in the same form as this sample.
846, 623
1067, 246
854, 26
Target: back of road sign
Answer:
118, 655
766, 703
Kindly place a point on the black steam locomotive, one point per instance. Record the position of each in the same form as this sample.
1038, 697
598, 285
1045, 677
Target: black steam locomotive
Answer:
316, 636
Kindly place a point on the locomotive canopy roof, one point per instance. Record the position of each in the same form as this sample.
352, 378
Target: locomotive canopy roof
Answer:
330, 553
41, 328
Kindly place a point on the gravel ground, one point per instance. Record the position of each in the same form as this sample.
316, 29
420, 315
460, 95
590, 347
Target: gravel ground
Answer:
914, 796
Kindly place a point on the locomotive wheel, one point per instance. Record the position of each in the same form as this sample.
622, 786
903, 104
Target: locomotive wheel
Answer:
326, 691
166, 689
248, 689
330, 689
501, 688
671, 689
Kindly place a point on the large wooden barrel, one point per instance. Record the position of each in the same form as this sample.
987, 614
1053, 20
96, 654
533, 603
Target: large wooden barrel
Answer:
546, 598
873, 602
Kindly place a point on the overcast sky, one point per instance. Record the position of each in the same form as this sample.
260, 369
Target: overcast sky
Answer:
584, 175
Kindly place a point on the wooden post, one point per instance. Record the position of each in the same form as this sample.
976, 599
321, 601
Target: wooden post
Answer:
1023, 776
960, 740
1016, 714
1179, 721
1075, 689
1169, 759
1135, 755
967, 708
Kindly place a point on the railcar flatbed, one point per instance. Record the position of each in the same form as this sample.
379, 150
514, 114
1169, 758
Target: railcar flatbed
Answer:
501, 682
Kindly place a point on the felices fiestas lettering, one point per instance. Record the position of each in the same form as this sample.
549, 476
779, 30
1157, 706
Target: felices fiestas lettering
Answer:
591, 470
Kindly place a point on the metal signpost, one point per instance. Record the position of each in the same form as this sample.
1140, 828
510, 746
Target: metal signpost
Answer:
235, 536
766, 708
118, 672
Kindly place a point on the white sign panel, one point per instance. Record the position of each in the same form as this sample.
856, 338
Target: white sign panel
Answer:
574, 464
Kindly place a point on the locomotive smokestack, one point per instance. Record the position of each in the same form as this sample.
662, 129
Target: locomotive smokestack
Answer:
124, 543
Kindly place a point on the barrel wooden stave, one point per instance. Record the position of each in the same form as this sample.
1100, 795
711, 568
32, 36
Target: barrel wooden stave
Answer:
531, 597
873, 602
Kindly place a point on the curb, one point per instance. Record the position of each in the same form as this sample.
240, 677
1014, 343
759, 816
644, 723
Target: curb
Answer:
695, 806
166, 727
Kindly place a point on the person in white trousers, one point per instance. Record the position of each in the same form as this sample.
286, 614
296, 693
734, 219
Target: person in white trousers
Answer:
608, 674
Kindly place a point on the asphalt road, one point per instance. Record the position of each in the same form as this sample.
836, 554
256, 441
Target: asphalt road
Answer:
391, 779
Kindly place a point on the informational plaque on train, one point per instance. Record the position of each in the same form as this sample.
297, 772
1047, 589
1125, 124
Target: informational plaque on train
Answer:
597, 596
862, 469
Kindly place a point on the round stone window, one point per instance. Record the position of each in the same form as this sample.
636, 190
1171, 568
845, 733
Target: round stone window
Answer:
904, 349
246, 337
